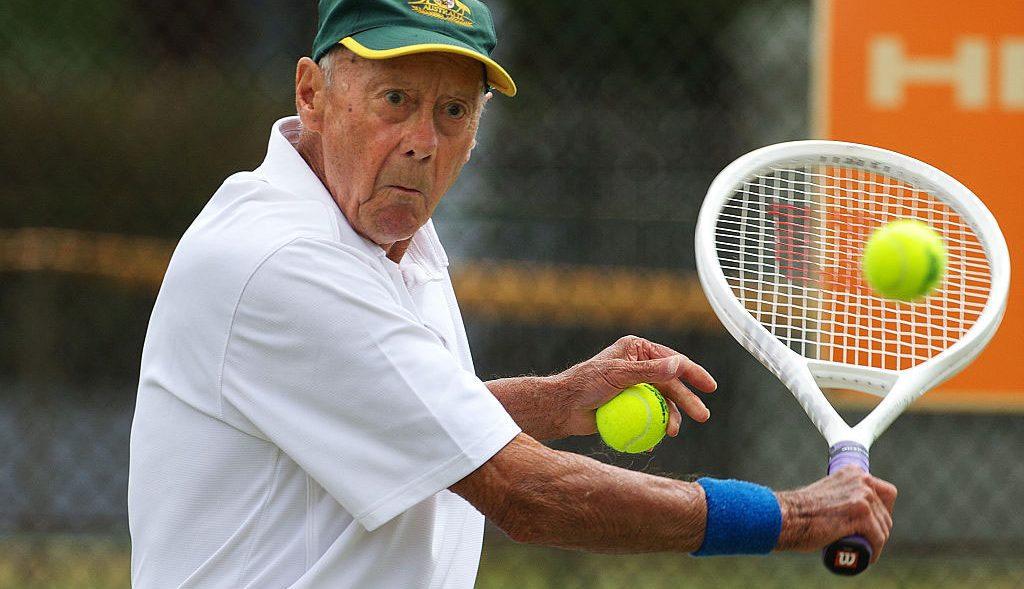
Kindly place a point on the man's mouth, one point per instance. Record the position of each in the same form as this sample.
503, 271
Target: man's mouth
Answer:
404, 189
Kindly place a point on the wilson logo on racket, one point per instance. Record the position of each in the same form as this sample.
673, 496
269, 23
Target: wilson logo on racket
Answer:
846, 559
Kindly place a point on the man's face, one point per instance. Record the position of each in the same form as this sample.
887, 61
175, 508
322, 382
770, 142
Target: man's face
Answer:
395, 135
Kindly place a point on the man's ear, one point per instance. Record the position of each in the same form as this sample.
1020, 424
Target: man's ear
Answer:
487, 98
310, 86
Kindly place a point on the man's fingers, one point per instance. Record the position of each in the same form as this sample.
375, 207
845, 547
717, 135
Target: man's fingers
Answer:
877, 526
873, 529
886, 492
881, 537
872, 511
621, 373
675, 420
638, 349
676, 366
685, 399
883, 519
632, 360
696, 375
665, 373
689, 371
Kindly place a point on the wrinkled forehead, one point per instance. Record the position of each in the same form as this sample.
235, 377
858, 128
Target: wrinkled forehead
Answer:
446, 72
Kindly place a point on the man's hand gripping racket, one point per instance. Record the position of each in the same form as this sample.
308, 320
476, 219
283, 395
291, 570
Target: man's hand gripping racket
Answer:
779, 243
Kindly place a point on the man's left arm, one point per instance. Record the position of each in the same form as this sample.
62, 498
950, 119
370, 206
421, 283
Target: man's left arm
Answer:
564, 404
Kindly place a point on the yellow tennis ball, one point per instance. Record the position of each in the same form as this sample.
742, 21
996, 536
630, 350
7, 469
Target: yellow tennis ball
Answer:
904, 260
634, 420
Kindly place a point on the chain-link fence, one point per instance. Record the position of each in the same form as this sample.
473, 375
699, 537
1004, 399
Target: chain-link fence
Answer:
572, 225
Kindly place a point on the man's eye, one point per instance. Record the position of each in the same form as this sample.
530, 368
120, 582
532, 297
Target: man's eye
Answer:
455, 110
394, 97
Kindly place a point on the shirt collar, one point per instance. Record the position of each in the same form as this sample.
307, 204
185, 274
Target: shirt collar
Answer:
284, 167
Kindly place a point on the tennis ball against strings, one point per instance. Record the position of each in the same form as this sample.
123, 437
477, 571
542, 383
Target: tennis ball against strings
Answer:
904, 260
634, 420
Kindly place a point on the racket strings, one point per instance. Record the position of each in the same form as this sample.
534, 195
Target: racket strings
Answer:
790, 242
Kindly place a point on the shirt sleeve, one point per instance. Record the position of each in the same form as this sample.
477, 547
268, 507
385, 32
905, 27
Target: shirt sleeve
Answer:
326, 363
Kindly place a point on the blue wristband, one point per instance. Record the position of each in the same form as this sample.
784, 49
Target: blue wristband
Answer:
743, 518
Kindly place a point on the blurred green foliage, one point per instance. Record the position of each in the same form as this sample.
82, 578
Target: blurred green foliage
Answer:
112, 126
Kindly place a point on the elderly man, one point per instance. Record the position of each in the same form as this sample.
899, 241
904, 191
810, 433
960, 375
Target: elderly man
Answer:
308, 415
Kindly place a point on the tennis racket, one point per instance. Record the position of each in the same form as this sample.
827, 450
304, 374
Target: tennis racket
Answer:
778, 244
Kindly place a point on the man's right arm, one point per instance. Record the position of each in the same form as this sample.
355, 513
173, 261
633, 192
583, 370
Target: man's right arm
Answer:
542, 496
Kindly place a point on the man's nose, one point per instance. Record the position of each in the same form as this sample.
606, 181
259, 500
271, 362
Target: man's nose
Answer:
421, 140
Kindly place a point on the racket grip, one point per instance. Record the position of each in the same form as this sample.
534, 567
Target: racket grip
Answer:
852, 554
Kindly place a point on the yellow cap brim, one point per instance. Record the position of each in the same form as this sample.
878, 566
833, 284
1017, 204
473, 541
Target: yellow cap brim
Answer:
497, 77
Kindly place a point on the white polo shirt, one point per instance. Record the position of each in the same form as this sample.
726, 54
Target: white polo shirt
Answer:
304, 402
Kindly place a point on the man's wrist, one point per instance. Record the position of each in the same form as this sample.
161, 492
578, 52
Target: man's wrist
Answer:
533, 403
742, 518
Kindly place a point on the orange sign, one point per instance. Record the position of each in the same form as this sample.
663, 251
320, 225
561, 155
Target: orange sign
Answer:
941, 81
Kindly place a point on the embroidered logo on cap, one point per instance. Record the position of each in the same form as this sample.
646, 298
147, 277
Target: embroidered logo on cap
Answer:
452, 11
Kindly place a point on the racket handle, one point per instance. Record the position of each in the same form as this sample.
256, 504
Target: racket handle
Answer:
852, 554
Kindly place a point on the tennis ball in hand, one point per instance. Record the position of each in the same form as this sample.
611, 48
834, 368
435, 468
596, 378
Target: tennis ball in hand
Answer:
904, 260
634, 420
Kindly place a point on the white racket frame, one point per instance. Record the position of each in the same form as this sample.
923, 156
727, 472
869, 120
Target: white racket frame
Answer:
806, 377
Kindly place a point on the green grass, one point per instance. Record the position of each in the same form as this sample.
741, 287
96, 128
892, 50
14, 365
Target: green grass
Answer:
64, 562
509, 566
82, 562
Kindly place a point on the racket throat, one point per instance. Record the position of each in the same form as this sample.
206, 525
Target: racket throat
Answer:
834, 375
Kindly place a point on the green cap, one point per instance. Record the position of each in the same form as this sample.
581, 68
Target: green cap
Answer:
381, 29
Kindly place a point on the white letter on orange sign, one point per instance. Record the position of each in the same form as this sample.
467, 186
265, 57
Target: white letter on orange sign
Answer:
890, 70
1012, 75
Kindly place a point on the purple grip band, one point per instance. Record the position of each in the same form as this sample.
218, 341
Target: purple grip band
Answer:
844, 453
